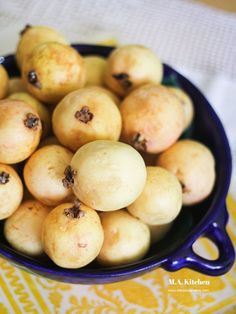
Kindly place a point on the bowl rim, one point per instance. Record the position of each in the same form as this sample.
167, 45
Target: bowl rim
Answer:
131, 270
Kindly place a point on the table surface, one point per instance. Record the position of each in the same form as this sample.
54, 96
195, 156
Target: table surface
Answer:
152, 293
227, 5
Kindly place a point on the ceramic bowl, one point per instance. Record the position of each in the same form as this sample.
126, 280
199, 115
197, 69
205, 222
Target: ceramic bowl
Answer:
206, 219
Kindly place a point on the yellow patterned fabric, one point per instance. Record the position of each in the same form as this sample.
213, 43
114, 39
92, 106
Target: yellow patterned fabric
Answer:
21, 292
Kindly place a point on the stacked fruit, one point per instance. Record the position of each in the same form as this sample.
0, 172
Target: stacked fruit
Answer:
91, 161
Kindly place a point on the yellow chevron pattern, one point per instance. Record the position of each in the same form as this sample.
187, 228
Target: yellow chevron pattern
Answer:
17, 287
21, 292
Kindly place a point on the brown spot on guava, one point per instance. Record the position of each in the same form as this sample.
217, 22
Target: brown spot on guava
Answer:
82, 245
33, 79
4, 177
139, 142
74, 211
27, 26
68, 180
123, 79
31, 121
84, 115
184, 187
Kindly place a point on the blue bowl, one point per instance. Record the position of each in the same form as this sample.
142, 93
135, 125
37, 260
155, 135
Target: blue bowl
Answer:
207, 219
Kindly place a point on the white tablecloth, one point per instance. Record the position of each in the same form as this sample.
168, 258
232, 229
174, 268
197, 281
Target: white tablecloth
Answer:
198, 40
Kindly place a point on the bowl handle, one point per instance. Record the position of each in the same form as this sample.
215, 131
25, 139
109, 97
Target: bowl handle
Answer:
216, 232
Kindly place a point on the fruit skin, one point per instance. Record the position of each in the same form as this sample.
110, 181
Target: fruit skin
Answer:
187, 105
108, 175
4, 79
158, 232
194, 165
23, 229
72, 242
52, 71
86, 115
153, 118
32, 37
109, 93
38, 106
95, 70
16, 85
18, 141
161, 199
131, 66
51, 140
126, 239
43, 174
11, 191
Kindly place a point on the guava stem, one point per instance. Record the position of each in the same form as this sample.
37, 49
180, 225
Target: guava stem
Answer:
33, 79
31, 121
84, 114
27, 26
68, 180
4, 177
75, 211
123, 79
139, 142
